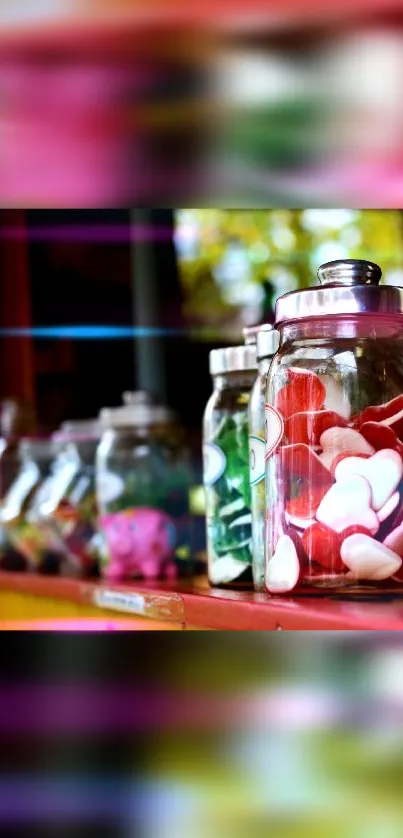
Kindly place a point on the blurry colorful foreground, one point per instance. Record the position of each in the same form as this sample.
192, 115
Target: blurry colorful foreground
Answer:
296, 736
169, 102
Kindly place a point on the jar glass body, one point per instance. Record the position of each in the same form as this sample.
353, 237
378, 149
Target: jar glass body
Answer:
143, 480
334, 470
63, 514
15, 552
257, 471
227, 481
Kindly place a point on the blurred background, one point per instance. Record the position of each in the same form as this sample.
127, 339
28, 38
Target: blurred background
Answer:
171, 103
96, 302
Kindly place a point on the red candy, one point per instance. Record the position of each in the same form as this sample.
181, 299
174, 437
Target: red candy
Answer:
322, 545
306, 504
380, 413
355, 529
300, 461
308, 426
304, 392
381, 436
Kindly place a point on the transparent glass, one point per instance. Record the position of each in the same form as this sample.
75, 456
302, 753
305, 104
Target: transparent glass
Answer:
227, 481
334, 483
257, 471
143, 482
16, 534
63, 514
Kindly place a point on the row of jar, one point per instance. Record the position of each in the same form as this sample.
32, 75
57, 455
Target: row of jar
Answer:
303, 443
109, 495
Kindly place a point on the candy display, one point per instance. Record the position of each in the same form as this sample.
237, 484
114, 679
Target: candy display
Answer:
334, 428
63, 512
19, 542
143, 481
266, 345
226, 467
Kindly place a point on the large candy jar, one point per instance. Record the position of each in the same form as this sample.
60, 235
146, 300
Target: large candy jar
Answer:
334, 437
226, 467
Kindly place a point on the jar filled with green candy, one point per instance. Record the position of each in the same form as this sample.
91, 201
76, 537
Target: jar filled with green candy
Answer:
226, 467
266, 347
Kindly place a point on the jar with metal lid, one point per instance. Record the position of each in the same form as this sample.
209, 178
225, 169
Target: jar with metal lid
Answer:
18, 548
63, 511
334, 431
266, 346
226, 467
143, 483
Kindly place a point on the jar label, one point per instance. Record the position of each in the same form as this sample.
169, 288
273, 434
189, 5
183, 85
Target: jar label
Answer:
109, 487
256, 459
214, 463
274, 429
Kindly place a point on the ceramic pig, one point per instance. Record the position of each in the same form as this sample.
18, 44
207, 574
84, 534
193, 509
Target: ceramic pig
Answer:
140, 543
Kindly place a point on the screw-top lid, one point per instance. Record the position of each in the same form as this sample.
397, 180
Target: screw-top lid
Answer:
267, 342
135, 415
138, 397
250, 334
78, 431
347, 287
233, 359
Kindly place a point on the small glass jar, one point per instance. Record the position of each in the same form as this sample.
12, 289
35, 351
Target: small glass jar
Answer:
18, 539
226, 467
63, 513
334, 430
143, 482
266, 346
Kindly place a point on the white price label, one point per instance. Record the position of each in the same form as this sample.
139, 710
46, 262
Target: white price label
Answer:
256, 458
274, 429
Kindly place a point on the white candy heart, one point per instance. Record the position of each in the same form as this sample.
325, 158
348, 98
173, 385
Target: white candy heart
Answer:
368, 559
395, 540
283, 569
336, 440
383, 471
389, 507
347, 504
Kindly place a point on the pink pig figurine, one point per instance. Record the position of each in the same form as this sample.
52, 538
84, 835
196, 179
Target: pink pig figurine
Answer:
140, 543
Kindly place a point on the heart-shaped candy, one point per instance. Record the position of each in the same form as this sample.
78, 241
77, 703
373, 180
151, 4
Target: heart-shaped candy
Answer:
369, 559
336, 398
336, 440
283, 570
348, 503
304, 391
309, 426
384, 471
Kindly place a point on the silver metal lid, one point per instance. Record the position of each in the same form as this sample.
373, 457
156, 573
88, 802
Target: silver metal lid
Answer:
267, 341
250, 334
80, 430
233, 359
137, 397
347, 287
135, 415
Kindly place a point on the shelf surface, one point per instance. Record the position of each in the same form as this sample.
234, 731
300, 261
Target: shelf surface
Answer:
189, 604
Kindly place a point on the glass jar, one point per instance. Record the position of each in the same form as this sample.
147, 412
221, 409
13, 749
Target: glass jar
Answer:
226, 467
266, 346
18, 539
64, 511
334, 430
143, 482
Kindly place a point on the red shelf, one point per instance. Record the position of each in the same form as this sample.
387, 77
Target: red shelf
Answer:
194, 605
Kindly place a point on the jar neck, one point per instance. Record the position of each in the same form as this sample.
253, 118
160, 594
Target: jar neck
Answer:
235, 380
347, 327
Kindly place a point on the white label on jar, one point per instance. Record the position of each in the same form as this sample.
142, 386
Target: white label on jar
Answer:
256, 459
214, 463
109, 487
274, 429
